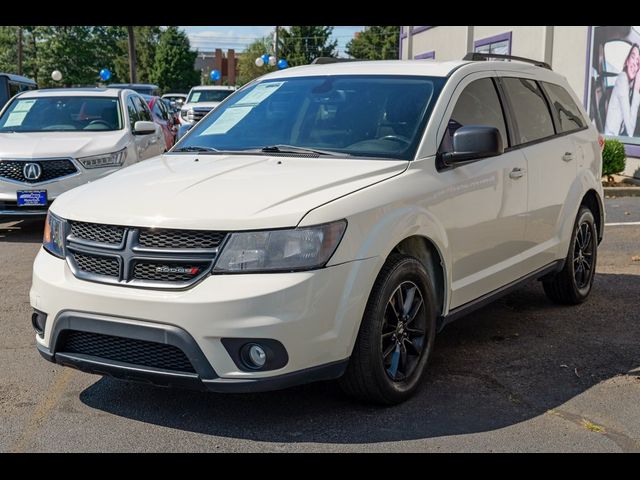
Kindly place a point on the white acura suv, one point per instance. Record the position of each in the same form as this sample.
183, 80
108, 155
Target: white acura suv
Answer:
325, 222
54, 140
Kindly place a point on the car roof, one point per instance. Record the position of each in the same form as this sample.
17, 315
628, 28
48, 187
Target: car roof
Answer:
213, 87
428, 68
18, 78
133, 85
174, 95
73, 92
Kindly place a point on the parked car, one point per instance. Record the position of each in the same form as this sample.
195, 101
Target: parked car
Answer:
163, 117
11, 85
177, 99
325, 222
202, 100
56, 139
144, 88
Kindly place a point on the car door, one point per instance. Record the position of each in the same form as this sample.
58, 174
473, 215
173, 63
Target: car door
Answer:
552, 167
152, 144
483, 204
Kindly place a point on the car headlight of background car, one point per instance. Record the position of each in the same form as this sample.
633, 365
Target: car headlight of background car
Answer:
115, 159
288, 250
54, 232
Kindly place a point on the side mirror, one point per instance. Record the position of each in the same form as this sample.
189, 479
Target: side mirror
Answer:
471, 143
142, 127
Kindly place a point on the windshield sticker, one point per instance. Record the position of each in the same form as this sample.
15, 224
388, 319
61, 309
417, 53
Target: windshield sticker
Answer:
24, 105
15, 119
229, 118
195, 97
260, 93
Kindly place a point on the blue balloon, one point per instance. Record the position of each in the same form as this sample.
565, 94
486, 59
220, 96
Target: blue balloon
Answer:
214, 75
105, 74
265, 58
282, 64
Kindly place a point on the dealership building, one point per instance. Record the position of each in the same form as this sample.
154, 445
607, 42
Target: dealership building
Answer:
592, 58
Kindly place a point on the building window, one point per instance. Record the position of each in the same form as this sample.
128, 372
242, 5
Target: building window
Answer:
498, 44
426, 56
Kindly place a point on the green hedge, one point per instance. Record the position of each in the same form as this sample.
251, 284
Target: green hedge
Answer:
613, 157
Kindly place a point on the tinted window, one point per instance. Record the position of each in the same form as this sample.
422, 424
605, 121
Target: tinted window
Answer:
143, 109
530, 109
478, 104
566, 111
358, 115
197, 96
58, 114
14, 89
133, 113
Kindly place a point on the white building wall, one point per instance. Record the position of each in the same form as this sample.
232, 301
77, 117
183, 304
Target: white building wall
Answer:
570, 55
449, 43
525, 41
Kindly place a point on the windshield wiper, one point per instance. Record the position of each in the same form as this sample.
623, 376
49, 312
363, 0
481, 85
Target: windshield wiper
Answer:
196, 148
293, 149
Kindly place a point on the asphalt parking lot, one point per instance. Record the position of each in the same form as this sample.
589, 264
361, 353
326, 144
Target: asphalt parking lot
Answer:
519, 375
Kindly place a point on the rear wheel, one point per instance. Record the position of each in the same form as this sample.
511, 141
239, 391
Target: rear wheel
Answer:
396, 335
573, 284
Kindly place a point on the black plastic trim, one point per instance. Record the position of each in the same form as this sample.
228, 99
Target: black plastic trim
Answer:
480, 302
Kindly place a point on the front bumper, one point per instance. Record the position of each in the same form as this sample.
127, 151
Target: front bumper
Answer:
315, 315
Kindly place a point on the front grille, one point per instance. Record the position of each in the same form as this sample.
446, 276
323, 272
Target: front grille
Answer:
161, 272
51, 169
127, 350
95, 265
95, 232
153, 238
199, 113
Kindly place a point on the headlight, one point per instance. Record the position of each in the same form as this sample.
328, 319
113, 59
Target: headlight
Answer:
280, 250
190, 116
115, 159
54, 233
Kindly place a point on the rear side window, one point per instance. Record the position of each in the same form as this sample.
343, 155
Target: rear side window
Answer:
529, 109
564, 107
478, 104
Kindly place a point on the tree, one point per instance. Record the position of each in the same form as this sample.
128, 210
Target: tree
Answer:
247, 68
300, 45
375, 43
147, 39
174, 60
8, 49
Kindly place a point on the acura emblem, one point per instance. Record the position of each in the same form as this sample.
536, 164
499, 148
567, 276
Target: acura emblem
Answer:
32, 171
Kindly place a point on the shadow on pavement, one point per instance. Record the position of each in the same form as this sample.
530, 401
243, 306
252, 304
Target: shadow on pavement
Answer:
21, 231
509, 362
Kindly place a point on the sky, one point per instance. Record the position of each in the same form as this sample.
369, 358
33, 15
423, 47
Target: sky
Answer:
238, 37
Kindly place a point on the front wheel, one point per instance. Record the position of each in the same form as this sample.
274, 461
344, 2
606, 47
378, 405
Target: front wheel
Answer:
573, 284
396, 335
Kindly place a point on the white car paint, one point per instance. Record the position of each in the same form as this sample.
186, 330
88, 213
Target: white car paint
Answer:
44, 146
488, 228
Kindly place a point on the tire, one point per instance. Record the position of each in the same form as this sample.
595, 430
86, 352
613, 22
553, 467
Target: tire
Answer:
573, 284
407, 343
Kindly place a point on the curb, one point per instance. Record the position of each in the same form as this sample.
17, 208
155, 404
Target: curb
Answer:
622, 191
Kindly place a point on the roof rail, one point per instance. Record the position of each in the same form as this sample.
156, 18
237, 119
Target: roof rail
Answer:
477, 56
324, 60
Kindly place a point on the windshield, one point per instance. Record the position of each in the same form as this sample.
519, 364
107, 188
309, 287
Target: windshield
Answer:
56, 114
356, 115
197, 96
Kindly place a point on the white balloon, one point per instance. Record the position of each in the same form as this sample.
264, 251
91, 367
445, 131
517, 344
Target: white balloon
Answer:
56, 75
272, 60
259, 62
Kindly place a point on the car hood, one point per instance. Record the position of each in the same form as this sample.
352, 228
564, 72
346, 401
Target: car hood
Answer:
188, 106
220, 192
60, 144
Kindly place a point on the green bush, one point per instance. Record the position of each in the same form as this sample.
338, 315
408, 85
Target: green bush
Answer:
613, 157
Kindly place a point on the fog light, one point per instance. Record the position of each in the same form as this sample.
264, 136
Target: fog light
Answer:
39, 321
254, 356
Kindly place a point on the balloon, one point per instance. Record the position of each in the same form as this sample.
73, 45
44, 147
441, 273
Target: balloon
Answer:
282, 63
259, 62
105, 74
272, 60
56, 75
265, 59
214, 75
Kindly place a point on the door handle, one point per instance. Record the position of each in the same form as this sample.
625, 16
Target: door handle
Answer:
567, 157
516, 173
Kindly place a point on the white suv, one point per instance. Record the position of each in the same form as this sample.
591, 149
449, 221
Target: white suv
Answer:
54, 140
202, 100
324, 222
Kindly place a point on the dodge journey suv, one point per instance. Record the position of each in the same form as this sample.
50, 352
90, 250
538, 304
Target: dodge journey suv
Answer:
325, 222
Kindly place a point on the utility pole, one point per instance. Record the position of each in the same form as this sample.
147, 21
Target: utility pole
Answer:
132, 55
275, 48
19, 50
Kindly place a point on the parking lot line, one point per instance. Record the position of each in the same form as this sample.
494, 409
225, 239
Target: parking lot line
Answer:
618, 224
